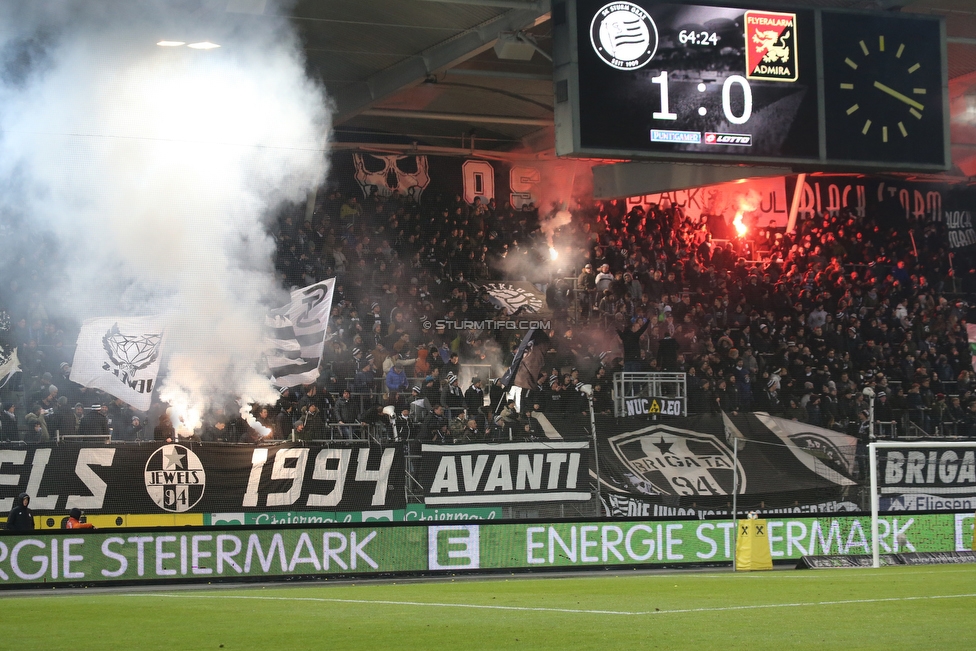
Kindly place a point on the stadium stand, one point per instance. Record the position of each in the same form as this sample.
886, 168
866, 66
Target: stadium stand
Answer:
795, 324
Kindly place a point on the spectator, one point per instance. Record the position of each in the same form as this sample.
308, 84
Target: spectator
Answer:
396, 378
603, 280
630, 338
95, 423
9, 431
435, 425
451, 395
586, 289
164, 431
310, 426
62, 421
21, 518
76, 520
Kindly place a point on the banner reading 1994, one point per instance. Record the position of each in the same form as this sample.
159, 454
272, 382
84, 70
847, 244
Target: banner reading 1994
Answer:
181, 555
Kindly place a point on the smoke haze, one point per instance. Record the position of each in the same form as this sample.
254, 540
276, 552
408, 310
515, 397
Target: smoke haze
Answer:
155, 169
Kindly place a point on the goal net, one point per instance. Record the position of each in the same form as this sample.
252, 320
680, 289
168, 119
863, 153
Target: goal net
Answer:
922, 476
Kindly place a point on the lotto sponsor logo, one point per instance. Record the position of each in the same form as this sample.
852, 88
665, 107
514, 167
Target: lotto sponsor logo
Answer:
735, 139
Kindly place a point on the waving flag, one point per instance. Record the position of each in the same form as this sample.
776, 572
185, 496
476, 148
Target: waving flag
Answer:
9, 364
120, 356
298, 336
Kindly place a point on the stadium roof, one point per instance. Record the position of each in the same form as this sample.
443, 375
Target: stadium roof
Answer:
426, 71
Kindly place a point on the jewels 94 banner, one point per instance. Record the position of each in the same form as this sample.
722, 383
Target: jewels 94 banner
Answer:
201, 478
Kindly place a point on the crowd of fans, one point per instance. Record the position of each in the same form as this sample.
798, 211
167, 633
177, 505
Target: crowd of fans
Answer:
795, 324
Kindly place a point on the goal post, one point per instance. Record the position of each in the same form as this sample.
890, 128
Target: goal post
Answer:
875, 495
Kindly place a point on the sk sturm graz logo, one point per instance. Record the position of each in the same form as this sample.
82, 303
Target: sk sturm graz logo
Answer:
623, 35
175, 478
678, 462
771, 46
511, 298
131, 353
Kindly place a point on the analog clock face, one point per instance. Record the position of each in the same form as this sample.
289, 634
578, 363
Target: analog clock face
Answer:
883, 90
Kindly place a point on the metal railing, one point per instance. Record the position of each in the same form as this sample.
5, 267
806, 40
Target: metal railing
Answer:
671, 386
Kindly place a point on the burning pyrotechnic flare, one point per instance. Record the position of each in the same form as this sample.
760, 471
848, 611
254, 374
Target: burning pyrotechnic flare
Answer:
255, 424
553, 253
740, 228
748, 202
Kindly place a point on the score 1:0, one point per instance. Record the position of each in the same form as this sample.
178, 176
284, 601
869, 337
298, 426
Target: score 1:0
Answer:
666, 114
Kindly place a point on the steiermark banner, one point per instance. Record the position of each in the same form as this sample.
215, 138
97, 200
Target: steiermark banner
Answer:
181, 555
578, 544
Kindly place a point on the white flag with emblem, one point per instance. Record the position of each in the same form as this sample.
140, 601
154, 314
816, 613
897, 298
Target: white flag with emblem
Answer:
120, 356
9, 364
298, 335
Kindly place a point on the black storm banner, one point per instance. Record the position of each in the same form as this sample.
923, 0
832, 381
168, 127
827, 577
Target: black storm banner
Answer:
506, 473
198, 478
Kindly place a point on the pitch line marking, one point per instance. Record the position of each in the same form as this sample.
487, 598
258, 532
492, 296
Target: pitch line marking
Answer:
673, 611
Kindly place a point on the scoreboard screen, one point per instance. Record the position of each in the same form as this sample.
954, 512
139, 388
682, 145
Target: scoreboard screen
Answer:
642, 79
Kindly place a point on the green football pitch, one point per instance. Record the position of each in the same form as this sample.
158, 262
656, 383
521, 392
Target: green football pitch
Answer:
891, 608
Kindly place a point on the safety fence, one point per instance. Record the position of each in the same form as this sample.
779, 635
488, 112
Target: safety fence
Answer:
570, 467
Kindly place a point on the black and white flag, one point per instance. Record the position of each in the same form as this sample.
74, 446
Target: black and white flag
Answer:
9, 364
120, 356
298, 335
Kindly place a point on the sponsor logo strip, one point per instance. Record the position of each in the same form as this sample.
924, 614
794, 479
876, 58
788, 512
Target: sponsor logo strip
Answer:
734, 139
668, 135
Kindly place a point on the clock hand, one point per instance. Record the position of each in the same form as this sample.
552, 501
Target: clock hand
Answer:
894, 93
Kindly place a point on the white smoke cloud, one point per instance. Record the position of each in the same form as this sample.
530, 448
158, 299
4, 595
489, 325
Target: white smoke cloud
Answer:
157, 168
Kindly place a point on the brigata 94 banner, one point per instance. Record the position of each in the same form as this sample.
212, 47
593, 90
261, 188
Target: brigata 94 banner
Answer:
183, 555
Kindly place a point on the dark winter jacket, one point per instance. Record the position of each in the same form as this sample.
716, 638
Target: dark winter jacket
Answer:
21, 518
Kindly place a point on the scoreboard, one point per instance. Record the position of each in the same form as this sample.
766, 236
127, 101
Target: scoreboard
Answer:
746, 84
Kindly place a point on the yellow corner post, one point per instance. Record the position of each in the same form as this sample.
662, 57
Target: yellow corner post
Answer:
752, 547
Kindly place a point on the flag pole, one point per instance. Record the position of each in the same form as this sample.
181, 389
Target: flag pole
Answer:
735, 496
596, 453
